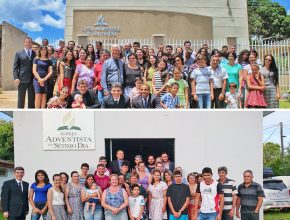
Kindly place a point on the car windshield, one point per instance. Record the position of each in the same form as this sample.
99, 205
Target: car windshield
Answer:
274, 184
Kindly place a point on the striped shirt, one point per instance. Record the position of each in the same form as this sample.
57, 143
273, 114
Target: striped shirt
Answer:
202, 77
159, 78
229, 188
249, 196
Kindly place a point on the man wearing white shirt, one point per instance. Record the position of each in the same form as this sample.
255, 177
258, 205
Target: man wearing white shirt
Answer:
220, 76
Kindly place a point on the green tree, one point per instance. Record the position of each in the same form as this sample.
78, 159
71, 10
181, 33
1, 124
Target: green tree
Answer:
6, 141
267, 19
272, 158
271, 152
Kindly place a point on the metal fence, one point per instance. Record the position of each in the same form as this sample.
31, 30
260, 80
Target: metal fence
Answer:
279, 49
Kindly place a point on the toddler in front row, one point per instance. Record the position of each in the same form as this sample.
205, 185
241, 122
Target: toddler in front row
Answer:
78, 102
232, 97
93, 201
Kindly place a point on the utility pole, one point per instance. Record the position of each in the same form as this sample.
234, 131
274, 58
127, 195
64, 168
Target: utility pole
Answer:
282, 137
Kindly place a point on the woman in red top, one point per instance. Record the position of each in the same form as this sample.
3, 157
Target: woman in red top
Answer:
256, 87
82, 57
104, 55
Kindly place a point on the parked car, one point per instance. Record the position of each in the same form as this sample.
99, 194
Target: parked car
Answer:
277, 195
286, 180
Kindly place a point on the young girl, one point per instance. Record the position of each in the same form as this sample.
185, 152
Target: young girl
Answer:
55, 200
192, 183
232, 99
136, 203
157, 197
256, 86
150, 70
159, 80
135, 92
93, 200
183, 87
78, 102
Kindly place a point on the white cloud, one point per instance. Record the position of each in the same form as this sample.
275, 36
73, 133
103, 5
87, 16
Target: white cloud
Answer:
32, 14
32, 26
38, 40
50, 21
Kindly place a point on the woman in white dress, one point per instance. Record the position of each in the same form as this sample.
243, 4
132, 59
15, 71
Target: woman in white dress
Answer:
157, 197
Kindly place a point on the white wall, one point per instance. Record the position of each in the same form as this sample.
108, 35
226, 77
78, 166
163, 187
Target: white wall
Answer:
202, 138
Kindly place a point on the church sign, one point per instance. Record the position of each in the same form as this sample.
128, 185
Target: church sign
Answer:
101, 29
72, 130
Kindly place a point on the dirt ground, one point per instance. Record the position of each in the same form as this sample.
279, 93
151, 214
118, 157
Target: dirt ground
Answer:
8, 99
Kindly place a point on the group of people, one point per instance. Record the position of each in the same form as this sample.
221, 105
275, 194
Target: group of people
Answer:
75, 76
153, 190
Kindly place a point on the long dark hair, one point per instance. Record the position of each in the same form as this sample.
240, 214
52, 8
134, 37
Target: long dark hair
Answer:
55, 175
93, 53
156, 171
46, 179
149, 64
273, 68
72, 61
86, 183
240, 57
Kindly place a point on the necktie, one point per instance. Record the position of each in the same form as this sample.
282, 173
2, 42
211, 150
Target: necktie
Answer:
20, 185
145, 103
28, 53
116, 102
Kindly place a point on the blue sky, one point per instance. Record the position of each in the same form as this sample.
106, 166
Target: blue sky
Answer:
45, 18
5, 117
271, 130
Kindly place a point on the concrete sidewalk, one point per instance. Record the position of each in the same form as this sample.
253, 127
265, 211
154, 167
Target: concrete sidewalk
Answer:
8, 99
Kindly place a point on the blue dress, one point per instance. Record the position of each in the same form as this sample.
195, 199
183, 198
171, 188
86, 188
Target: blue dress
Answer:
42, 70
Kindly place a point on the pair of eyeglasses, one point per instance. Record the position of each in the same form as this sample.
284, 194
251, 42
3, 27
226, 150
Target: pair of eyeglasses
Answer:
269, 60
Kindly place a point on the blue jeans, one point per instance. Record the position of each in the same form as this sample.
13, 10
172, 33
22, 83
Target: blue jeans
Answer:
98, 213
101, 95
207, 216
204, 100
37, 216
181, 217
122, 215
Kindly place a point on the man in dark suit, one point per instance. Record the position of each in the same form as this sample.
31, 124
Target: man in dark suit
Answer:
90, 97
22, 73
14, 196
115, 165
145, 100
116, 99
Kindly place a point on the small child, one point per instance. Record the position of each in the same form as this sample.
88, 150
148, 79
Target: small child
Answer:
183, 87
232, 98
79, 102
53, 102
93, 201
135, 92
170, 100
136, 203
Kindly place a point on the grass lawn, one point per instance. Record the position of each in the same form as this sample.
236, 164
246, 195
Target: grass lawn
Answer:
285, 104
277, 215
